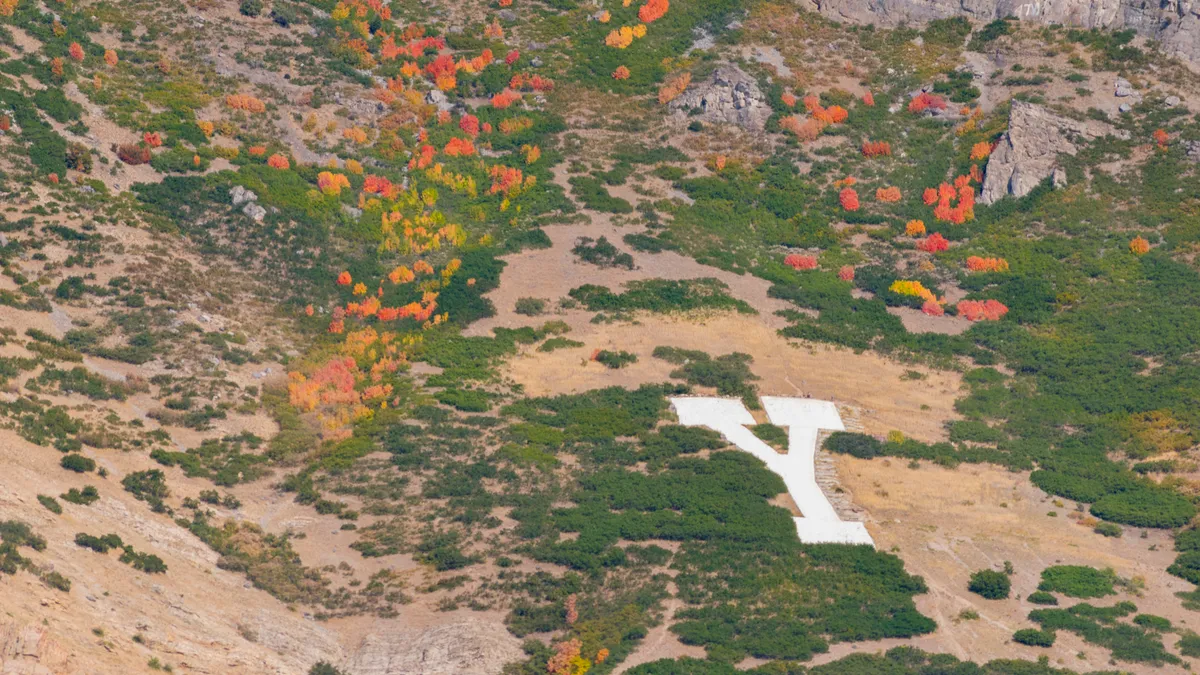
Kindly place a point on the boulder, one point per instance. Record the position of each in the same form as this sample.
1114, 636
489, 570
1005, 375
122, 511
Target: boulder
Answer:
254, 211
1027, 153
240, 195
728, 96
1122, 88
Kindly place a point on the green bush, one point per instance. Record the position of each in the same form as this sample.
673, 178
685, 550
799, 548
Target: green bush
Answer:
50, 503
990, 584
85, 497
1034, 637
1042, 598
78, 463
530, 306
615, 360
1078, 581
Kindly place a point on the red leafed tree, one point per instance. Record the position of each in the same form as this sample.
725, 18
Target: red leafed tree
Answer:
846, 273
653, 10
929, 196
934, 243
75, 51
926, 101
932, 308
868, 99
848, 198
1161, 137
512, 57
801, 262
621, 73
470, 124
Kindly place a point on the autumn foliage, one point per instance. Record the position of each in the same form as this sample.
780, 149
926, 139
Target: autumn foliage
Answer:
245, 102
621, 73
982, 310
278, 161
978, 264
934, 243
914, 228
888, 194
848, 198
133, 154
653, 10
1161, 137
674, 87
980, 150
846, 273
801, 262
1139, 246
876, 149
913, 288
505, 99
926, 101
75, 51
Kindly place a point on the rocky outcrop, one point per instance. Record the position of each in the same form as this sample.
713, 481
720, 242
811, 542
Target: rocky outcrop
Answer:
473, 648
30, 650
728, 96
1174, 23
1027, 153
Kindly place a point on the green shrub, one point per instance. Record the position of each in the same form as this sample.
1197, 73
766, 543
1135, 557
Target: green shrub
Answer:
615, 360
990, 584
1078, 581
1034, 637
530, 306
1042, 598
250, 7
1108, 529
78, 463
50, 503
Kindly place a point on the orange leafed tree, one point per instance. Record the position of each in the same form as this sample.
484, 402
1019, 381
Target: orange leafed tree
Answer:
846, 273
621, 73
978, 264
985, 310
888, 194
505, 99
152, 139
868, 99
914, 228
876, 149
980, 150
1161, 137
619, 38
245, 102
459, 147
1139, 246
344, 279
75, 51
933, 308
848, 198
278, 161
674, 87
110, 57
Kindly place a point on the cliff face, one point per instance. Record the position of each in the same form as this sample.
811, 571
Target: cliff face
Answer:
1174, 23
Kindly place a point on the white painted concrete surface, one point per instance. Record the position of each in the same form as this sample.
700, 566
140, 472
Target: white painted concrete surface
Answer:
804, 419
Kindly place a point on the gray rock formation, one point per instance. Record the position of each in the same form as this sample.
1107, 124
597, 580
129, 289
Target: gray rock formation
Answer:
1028, 152
240, 195
254, 211
1174, 23
473, 648
728, 96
